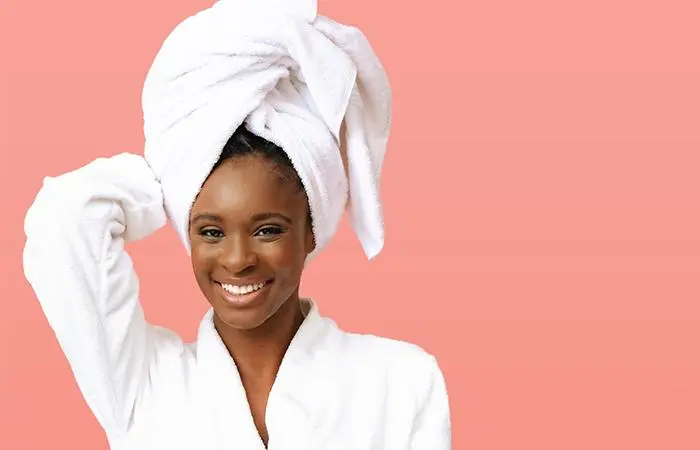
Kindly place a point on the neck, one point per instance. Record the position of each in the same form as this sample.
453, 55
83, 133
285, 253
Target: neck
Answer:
258, 352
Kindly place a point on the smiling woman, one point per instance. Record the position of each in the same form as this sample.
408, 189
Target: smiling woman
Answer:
255, 185
250, 235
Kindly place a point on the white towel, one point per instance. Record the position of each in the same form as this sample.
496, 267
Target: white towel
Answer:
292, 76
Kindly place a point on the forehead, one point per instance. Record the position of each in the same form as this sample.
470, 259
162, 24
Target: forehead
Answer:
248, 184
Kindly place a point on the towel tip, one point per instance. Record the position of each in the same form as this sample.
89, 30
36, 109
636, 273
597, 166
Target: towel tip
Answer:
374, 251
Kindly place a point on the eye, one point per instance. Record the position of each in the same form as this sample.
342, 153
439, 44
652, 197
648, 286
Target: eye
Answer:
270, 231
211, 233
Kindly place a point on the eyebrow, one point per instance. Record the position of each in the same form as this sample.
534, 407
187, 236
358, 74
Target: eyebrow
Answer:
256, 218
207, 217
271, 215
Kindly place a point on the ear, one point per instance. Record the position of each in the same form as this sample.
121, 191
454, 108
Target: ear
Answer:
310, 241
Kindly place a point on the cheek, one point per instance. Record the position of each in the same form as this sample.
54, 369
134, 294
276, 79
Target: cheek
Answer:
202, 259
286, 255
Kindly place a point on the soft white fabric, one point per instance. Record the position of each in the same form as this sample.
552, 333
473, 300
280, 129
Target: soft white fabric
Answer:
151, 391
292, 76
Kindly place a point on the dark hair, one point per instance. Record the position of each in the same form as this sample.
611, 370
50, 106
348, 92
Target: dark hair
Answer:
245, 143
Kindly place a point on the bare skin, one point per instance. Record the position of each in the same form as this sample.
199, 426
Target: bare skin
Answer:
249, 226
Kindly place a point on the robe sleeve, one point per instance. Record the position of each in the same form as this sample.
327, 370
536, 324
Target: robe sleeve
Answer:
432, 427
74, 260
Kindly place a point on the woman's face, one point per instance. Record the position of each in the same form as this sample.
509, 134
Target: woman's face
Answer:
250, 237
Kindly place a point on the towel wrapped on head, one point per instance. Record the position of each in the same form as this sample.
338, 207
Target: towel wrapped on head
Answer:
288, 75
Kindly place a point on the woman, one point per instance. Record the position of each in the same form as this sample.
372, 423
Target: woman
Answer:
267, 370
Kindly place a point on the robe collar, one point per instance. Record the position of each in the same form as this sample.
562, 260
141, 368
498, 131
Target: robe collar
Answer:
299, 397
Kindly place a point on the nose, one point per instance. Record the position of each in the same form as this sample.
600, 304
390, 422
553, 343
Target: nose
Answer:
238, 254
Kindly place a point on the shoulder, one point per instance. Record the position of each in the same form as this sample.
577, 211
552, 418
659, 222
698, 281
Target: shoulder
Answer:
401, 364
386, 351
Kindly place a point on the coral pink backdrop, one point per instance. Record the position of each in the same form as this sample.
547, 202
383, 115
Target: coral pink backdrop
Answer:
542, 198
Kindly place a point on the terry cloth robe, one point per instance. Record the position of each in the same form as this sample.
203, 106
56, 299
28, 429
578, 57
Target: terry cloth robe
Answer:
149, 390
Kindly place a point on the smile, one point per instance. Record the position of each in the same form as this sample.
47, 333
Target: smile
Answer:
243, 289
243, 295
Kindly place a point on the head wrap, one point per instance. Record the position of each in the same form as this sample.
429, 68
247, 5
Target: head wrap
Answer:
290, 76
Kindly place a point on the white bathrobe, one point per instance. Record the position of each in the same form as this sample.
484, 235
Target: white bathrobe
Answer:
150, 390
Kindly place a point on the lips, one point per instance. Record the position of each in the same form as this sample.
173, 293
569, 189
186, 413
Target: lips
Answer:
243, 292
242, 289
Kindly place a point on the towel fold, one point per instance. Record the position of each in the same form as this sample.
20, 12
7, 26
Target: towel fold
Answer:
292, 77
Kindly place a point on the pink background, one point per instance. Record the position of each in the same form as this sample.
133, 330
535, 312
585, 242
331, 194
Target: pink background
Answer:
542, 209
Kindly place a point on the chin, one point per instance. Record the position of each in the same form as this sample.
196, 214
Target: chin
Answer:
247, 313
241, 320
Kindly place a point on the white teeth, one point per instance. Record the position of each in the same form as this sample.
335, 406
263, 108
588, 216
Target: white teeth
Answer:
242, 290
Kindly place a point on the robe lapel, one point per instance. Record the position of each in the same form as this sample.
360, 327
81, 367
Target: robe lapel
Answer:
297, 405
223, 408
